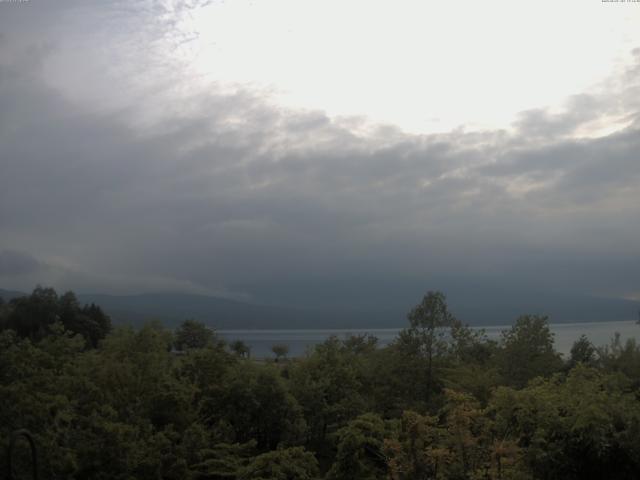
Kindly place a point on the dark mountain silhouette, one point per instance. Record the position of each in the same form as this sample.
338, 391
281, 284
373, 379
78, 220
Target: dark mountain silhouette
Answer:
9, 294
475, 307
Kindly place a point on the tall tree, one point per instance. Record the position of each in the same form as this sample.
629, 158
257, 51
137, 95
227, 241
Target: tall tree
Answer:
427, 334
527, 351
193, 334
240, 348
582, 351
98, 325
280, 350
89, 321
32, 316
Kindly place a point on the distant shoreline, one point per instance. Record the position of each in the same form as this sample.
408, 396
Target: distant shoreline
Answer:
300, 340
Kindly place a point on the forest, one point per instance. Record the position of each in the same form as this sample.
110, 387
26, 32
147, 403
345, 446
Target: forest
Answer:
440, 402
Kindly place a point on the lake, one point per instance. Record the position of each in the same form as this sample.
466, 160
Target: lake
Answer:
300, 341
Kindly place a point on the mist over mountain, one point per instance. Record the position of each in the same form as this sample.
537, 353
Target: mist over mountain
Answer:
131, 164
474, 308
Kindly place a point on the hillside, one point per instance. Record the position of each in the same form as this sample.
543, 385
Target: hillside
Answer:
475, 308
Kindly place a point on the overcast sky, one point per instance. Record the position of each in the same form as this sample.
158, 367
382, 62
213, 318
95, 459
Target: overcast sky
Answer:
318, 152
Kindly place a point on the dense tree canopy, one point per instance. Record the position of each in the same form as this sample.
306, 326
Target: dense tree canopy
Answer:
527, 351
441, 402
34, 316
192, 334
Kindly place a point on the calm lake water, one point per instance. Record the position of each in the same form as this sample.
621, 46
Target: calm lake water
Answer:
300, 341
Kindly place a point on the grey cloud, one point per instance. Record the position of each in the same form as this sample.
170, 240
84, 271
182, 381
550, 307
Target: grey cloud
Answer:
18, 263
542, 123
237, 197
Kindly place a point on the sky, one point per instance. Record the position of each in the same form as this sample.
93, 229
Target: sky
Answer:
320, 153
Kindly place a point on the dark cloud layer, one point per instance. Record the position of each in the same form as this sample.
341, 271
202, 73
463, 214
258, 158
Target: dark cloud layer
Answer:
235, 196
14, 263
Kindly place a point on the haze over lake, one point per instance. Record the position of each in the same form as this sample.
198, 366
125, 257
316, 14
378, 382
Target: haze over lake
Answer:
299, 341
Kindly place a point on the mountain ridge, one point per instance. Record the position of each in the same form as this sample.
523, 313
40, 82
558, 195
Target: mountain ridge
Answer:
228, 314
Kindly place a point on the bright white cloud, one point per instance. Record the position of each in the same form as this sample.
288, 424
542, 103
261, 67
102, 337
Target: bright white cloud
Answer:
425, 66
147, 143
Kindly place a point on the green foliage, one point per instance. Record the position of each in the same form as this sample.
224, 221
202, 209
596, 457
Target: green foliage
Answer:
422, 359
193, 334
581, 426
31, 317
240, 348
435, 336
34, 316
285, 464
414, 452
360, 450
582, 351
280, 351
527, 351
222, 461
622, 357
256, 405
395, 380
429, 321
441, 402
360, 344
328, 386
